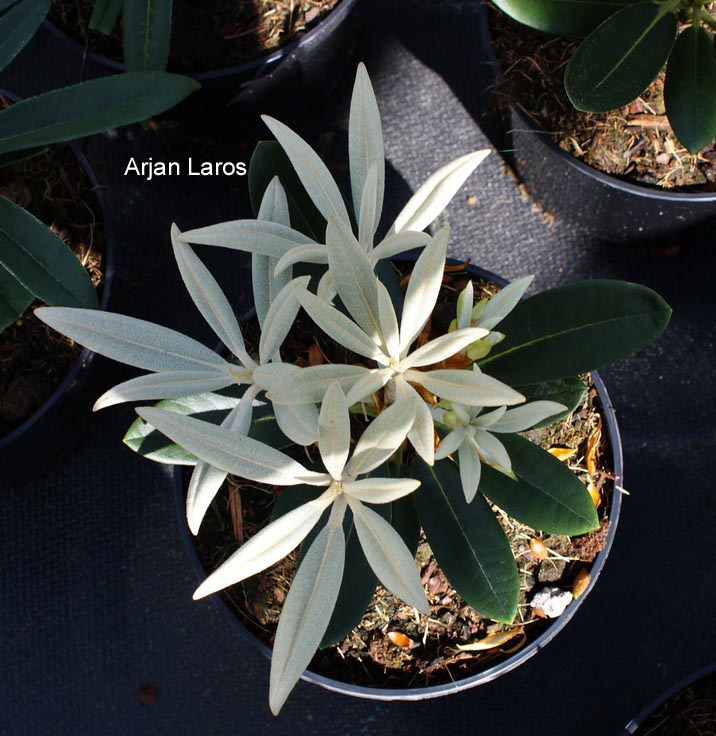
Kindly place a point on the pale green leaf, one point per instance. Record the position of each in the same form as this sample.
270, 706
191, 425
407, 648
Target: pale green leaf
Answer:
443, 347
307, 385
334, 431
368, 384
500, 305
380, 490
450, 443
523, 417
470, 470
398, 243
279, 319
368, 220
467, 387
315, 253
299, 422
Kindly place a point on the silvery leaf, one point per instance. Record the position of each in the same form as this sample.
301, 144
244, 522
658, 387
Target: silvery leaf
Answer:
308, 608
388, 321
422, 433
523, 417
368, 384
326, 288
493, 452
450, 443
380, 490
435, 194
164, 385
209, 298
368, 221
423, 289
334, 431
365, 143
467, 387
206, 480
299, 422
470, 471
279, 319
307, 385
382, 437
312, 172
500, 305
487, 420
314, 253
338, 326
353, 277
132, 341
274, 204
465, 303
267, 547
252, 236
229, 451
398, 243
387, 554
442, 347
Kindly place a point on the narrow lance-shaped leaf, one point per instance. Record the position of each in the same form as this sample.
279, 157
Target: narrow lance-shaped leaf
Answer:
307, 610
40, 262
104, 15
90, 107
147, 34
621, 58
437, 192
690, 89
468, 387
443, 347
334, 431
18, 25
307, 385
132, 341
506, 299
14, 298
279, 319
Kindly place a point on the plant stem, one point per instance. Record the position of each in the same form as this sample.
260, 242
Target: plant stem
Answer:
696, 17
708, 19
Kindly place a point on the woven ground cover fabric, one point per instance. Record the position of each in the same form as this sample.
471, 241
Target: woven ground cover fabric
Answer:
95, 595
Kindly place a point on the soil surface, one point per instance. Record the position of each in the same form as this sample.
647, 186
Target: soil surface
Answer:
691, 712
634, 142
394, 646
34, 359
206, 35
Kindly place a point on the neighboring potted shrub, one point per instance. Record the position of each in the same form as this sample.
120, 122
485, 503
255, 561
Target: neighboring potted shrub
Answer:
36, 265
593, 121
416, 421
238, 51
687, 709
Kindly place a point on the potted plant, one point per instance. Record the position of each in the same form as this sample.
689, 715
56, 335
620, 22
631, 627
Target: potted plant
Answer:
407, 418
626, 124
686, 709
240, 52
54, 262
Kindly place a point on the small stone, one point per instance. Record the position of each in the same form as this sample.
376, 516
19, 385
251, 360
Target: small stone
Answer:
551, 601
550, 571
312, 15
471, 200
663, 158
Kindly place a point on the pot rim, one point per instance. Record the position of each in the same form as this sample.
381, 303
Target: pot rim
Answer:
666, 695
86, 356
637, 190
492, 673
332, 19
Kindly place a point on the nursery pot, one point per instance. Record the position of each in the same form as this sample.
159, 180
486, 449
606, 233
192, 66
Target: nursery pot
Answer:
602, 205
38, 444
435, 691
636, 722
284, 79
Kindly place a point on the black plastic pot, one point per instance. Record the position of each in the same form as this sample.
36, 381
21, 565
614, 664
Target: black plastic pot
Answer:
39, 443
602, 205
285, 79
436, 691
634, 724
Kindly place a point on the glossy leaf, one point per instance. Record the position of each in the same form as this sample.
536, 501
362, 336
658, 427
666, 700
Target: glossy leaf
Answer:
90, 107
690, 89
547, 495
104, 15
567, 391
576, 328
467, 541
14, 298
38, 261
621, 58
147, 32
18, 25
561, 17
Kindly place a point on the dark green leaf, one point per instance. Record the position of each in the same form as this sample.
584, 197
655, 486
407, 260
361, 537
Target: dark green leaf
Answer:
574, 329
567, 391
270, 160
467, 541
147, 32
90, 107
547, 495
621, 58
40, 261
18, 25
105, 14
562, 17
17, 157
406, 523
14, 299
210, 407
690, 89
